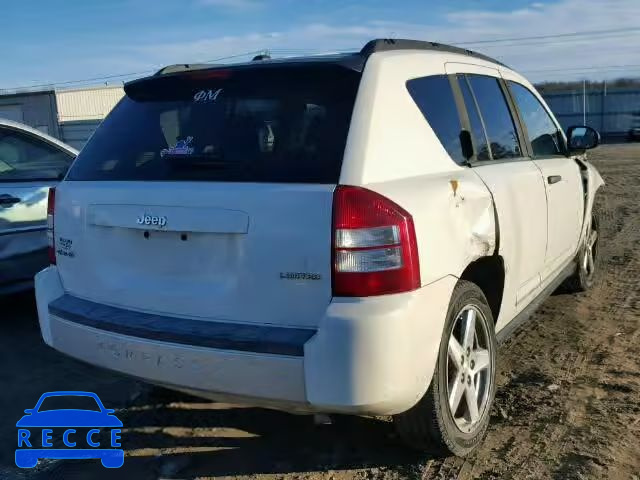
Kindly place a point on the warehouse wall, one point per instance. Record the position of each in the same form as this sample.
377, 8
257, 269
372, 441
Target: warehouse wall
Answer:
80, 111
36, 109
87, 103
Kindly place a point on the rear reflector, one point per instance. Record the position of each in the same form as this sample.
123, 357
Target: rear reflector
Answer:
374, 245
51, 205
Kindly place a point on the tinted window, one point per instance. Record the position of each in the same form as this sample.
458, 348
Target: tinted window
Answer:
477, 130
258, 124
23, 157
503, 137
544, 136
434, 98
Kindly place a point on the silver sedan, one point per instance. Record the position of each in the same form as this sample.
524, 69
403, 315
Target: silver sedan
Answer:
30, 163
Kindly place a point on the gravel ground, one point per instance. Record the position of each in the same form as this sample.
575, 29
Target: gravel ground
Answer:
567, 405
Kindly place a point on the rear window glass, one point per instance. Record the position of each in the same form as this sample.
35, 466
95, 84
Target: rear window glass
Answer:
258, 124
434, 98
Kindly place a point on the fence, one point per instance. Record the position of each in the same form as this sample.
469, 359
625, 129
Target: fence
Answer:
613, 113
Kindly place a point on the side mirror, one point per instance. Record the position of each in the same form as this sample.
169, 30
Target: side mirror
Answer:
581, 138
29, 411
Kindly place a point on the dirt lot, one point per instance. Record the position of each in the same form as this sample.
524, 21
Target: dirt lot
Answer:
567, 404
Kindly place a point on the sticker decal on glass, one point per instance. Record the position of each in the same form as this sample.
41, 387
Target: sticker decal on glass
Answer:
205, 96
182, 147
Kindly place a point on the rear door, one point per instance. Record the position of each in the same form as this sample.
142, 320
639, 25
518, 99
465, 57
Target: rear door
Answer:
28, 167
561, 175
209, 195
513, 179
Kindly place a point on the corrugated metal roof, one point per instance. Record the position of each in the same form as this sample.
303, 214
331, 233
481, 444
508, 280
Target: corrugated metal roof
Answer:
90, 103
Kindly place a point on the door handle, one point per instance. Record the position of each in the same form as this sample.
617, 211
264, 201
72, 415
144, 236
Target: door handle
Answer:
554, 179
8, 200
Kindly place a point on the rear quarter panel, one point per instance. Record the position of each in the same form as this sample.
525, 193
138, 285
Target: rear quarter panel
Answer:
392, 150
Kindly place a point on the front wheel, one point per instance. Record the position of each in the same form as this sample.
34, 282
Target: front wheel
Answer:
452, 417
588, 259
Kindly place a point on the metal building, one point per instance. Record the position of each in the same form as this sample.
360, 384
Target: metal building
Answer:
36, 109
81, 110
71, 115
613, 112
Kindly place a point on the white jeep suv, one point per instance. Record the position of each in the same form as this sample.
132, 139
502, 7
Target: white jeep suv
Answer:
347, 233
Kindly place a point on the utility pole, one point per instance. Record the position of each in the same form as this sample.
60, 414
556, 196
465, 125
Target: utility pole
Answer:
584, 102
603, 106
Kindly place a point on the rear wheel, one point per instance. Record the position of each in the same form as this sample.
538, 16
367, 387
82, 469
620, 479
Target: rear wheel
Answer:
452, 417
588, 259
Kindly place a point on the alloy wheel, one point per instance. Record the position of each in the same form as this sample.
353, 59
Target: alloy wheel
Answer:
469, 368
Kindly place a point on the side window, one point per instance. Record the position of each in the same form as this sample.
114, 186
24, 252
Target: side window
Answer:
434, 98
477, 129
23, 157
544, 136
499, 125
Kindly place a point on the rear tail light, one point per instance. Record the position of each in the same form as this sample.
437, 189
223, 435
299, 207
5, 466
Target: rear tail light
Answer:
51, 206
374, 245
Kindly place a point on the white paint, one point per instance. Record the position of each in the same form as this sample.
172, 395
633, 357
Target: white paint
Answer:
371, 355
239, 237
519, 194
565, 208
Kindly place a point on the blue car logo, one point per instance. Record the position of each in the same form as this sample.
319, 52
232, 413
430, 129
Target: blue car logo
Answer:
83, 431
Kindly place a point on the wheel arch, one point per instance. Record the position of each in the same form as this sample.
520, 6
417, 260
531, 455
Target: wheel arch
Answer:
488, 274
592, 182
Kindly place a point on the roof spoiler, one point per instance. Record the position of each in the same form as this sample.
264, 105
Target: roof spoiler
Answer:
183, 67
354, 61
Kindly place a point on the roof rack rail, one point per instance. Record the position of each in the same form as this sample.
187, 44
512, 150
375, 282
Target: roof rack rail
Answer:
390, 44
183, 67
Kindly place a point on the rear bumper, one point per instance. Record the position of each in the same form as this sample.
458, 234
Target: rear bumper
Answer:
369, 356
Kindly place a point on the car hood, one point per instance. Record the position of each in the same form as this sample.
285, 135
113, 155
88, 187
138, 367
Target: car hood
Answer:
69, 418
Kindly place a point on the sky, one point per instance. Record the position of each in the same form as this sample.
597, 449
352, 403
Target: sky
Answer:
63, 41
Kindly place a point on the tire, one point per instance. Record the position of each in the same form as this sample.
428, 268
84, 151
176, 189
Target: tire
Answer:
431, 424
587, 260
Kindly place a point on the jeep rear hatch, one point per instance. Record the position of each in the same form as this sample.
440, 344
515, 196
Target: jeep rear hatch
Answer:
208, 194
